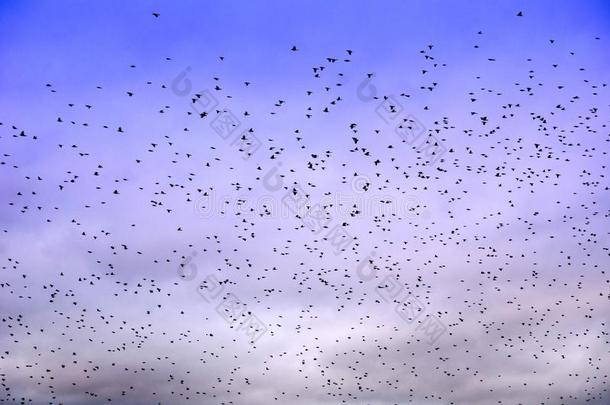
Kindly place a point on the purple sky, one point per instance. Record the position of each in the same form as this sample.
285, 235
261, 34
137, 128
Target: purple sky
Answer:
134, 220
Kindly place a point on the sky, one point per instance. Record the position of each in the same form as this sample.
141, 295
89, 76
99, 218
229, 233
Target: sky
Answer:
305, 202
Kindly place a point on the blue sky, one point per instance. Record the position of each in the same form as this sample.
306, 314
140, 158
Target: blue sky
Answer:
502, 236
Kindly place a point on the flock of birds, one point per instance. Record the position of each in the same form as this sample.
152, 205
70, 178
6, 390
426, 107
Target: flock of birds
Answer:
101, 224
